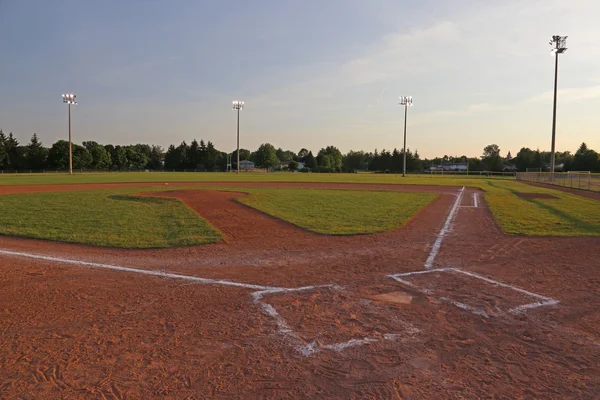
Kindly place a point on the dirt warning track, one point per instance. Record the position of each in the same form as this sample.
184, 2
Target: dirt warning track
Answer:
313, 317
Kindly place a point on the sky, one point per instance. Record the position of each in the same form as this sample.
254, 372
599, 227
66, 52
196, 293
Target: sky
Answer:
312, 73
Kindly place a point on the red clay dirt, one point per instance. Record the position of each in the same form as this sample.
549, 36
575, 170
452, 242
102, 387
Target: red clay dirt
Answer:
71, 332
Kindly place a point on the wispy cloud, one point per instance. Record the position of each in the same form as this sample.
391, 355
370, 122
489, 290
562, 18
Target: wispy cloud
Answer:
569, 95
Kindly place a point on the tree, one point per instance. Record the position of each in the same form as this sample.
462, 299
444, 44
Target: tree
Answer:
285, 155
354, 161
101, 158
586, 159
244, 155
491, 158
81, 157
309, 161
302, 154
135, 158
3, 154
119, 159
266, 156
14, 158
194, 156
58, 155
171, 158
293, 166
155, 161
36, 154
330, 157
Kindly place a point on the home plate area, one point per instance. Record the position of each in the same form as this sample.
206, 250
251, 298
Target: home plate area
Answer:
329, 318
472, 292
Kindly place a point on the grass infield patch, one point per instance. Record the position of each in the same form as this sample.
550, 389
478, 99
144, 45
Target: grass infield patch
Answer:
112, 218
339, 212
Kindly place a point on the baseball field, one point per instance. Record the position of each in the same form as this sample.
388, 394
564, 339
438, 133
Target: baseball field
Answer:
291, 285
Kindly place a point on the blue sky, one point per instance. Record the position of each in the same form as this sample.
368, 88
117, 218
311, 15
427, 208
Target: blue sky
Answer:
312, 73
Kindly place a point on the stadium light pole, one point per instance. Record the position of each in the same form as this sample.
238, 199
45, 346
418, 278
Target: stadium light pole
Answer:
237, 106
559, 46
405, 101
70, 99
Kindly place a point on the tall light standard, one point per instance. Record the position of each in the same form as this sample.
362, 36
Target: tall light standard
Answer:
238, 105
559, 46
70, 99
405, 101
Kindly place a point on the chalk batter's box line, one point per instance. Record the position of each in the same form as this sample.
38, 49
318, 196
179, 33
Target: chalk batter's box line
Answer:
309, 349
543, 300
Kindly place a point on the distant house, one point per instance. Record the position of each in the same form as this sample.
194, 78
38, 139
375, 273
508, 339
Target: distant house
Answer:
286, 164
453, 166
246, 164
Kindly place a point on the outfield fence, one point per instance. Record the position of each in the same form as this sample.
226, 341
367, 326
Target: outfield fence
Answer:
575, 180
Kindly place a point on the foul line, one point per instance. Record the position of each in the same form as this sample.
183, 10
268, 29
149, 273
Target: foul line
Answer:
140, 271
475, 200
445, 229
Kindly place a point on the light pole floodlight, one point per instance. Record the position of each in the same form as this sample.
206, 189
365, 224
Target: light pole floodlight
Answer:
559, 44
237, 106
69, 98
406, 101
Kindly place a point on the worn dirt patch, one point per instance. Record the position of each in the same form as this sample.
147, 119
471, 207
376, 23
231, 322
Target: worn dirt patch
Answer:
327, 316
394, 297
535, 195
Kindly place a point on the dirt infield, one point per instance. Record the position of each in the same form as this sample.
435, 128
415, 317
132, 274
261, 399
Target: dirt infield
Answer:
345, 330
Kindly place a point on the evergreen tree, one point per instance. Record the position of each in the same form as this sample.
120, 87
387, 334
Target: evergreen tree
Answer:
194, 156
36, 154
3, 153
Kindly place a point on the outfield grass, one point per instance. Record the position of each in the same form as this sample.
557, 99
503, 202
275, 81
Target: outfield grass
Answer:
567, 215
104, 218
118, 218
130, 177
339, 212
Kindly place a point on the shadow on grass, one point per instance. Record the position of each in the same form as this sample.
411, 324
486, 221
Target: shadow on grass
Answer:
142, 199
576, 222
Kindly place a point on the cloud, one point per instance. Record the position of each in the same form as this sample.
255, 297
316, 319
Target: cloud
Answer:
470, 110
568, 95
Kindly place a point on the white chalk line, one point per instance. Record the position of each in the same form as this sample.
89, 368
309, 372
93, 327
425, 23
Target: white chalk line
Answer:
545, 301
162, 274
445, 229
475, 199
308, 349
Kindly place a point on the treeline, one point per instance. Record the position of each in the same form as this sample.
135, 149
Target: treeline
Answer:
203, 156
584, 159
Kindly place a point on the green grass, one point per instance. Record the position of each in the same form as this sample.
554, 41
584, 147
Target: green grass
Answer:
339, 212
128, 177
567, 215
104, 218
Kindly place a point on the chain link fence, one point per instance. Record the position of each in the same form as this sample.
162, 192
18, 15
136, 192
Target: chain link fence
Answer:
575, 180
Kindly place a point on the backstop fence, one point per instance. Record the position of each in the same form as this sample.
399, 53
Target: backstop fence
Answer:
576, 180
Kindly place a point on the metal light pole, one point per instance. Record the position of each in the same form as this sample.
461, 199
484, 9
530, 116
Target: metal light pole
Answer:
70, 99
559, 46
237, 106
405, 101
